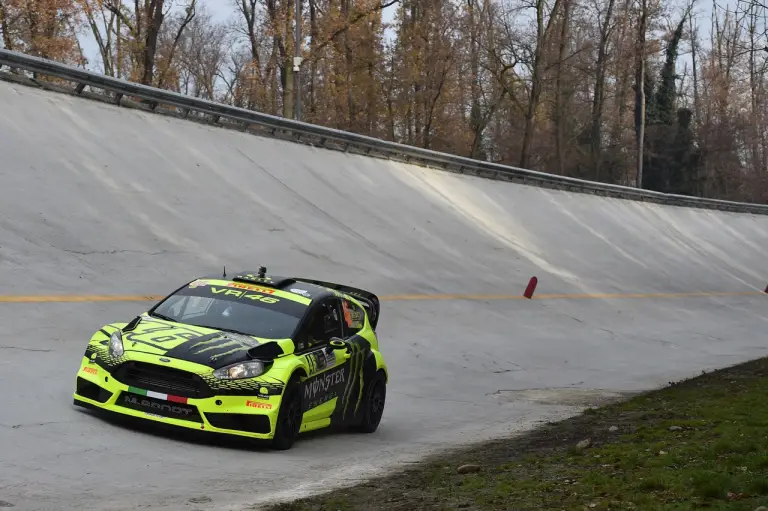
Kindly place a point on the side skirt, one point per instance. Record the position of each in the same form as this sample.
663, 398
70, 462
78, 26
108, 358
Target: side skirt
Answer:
306, 427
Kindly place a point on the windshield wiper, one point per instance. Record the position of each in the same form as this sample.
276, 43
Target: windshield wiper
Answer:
162, 316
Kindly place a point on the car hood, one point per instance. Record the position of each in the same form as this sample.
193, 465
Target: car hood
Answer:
206, 346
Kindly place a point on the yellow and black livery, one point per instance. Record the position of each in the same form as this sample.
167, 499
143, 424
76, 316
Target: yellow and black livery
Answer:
259, 356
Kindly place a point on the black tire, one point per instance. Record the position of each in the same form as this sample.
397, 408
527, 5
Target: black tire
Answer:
289, 417
373, 404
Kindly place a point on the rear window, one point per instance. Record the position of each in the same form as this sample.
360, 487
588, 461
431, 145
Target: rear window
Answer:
249, 312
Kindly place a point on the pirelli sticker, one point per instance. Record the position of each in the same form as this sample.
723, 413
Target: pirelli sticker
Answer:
251, 287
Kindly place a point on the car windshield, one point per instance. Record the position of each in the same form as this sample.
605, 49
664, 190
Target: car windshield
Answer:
227, 308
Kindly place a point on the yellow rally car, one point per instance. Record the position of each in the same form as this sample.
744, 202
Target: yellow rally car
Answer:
252, 355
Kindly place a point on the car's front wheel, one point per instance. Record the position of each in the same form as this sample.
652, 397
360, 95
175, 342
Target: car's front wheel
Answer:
289, 417
373, 405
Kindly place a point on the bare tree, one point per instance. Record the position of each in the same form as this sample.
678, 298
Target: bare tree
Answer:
640, 65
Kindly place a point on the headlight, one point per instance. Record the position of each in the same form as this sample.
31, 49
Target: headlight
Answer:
116, 344
241, 370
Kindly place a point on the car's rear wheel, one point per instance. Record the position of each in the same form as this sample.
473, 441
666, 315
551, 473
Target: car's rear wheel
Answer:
289, 417
373, 405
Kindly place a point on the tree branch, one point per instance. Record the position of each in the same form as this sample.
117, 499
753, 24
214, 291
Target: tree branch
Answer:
347, 26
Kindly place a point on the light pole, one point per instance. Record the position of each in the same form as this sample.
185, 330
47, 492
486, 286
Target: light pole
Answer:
297, 62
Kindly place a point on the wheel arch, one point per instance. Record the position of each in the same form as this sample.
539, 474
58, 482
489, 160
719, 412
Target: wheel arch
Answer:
381, 365
299, 371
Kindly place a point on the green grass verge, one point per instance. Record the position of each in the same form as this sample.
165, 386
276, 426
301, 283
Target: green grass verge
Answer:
697, 444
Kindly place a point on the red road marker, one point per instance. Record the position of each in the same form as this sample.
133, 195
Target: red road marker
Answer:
532, 287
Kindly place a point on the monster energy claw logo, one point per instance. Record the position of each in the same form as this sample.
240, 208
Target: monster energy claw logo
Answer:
355, 363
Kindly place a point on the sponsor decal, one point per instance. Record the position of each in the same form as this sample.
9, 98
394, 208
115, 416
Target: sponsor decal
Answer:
330, 358
256, 404
251, 287
244, 295
157, 395
324, 384
91, 370
319, 360
243, 339
352, 317
178, 410
198, 283
325, 387
301, 292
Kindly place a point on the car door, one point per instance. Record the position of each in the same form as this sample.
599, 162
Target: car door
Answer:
328, 368
361, 364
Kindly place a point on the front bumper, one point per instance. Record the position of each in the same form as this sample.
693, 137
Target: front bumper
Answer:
248, 416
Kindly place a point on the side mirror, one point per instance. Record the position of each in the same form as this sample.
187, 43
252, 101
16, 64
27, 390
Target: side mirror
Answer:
339, 348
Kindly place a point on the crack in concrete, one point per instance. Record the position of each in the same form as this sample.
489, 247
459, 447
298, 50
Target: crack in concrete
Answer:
430, 398
33, 424
710, 337
122, 251
641, 338
24, 349
89, 449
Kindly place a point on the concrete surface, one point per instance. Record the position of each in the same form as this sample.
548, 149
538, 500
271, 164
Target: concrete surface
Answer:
97, 200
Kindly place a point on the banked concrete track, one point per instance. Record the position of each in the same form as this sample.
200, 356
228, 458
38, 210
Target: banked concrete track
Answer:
95, 200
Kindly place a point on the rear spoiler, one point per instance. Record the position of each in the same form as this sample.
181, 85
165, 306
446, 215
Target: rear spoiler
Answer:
369, 300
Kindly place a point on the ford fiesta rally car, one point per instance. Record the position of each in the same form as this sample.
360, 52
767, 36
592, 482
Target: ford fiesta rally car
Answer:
257, 356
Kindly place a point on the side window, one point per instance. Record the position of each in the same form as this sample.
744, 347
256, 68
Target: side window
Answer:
325, 324
353, 316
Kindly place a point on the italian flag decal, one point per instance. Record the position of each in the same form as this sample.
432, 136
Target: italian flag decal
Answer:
157, 395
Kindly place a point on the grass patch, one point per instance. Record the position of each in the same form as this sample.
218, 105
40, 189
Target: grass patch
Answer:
697, 444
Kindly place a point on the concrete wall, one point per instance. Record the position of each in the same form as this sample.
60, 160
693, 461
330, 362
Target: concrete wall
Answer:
99, 200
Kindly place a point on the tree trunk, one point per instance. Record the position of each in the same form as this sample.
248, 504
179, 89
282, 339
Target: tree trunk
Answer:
155, 16
596, 146
7, 41
559, 96
313, 65
640, 93
542, 36
288, 89
474, 63
694, 44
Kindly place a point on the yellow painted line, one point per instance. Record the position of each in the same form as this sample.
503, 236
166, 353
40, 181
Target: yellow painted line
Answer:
650, 295
545, 296
78, 298
386, 298
459, 296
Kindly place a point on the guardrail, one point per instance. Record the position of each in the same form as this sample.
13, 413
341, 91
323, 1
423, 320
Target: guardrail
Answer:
336, 139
